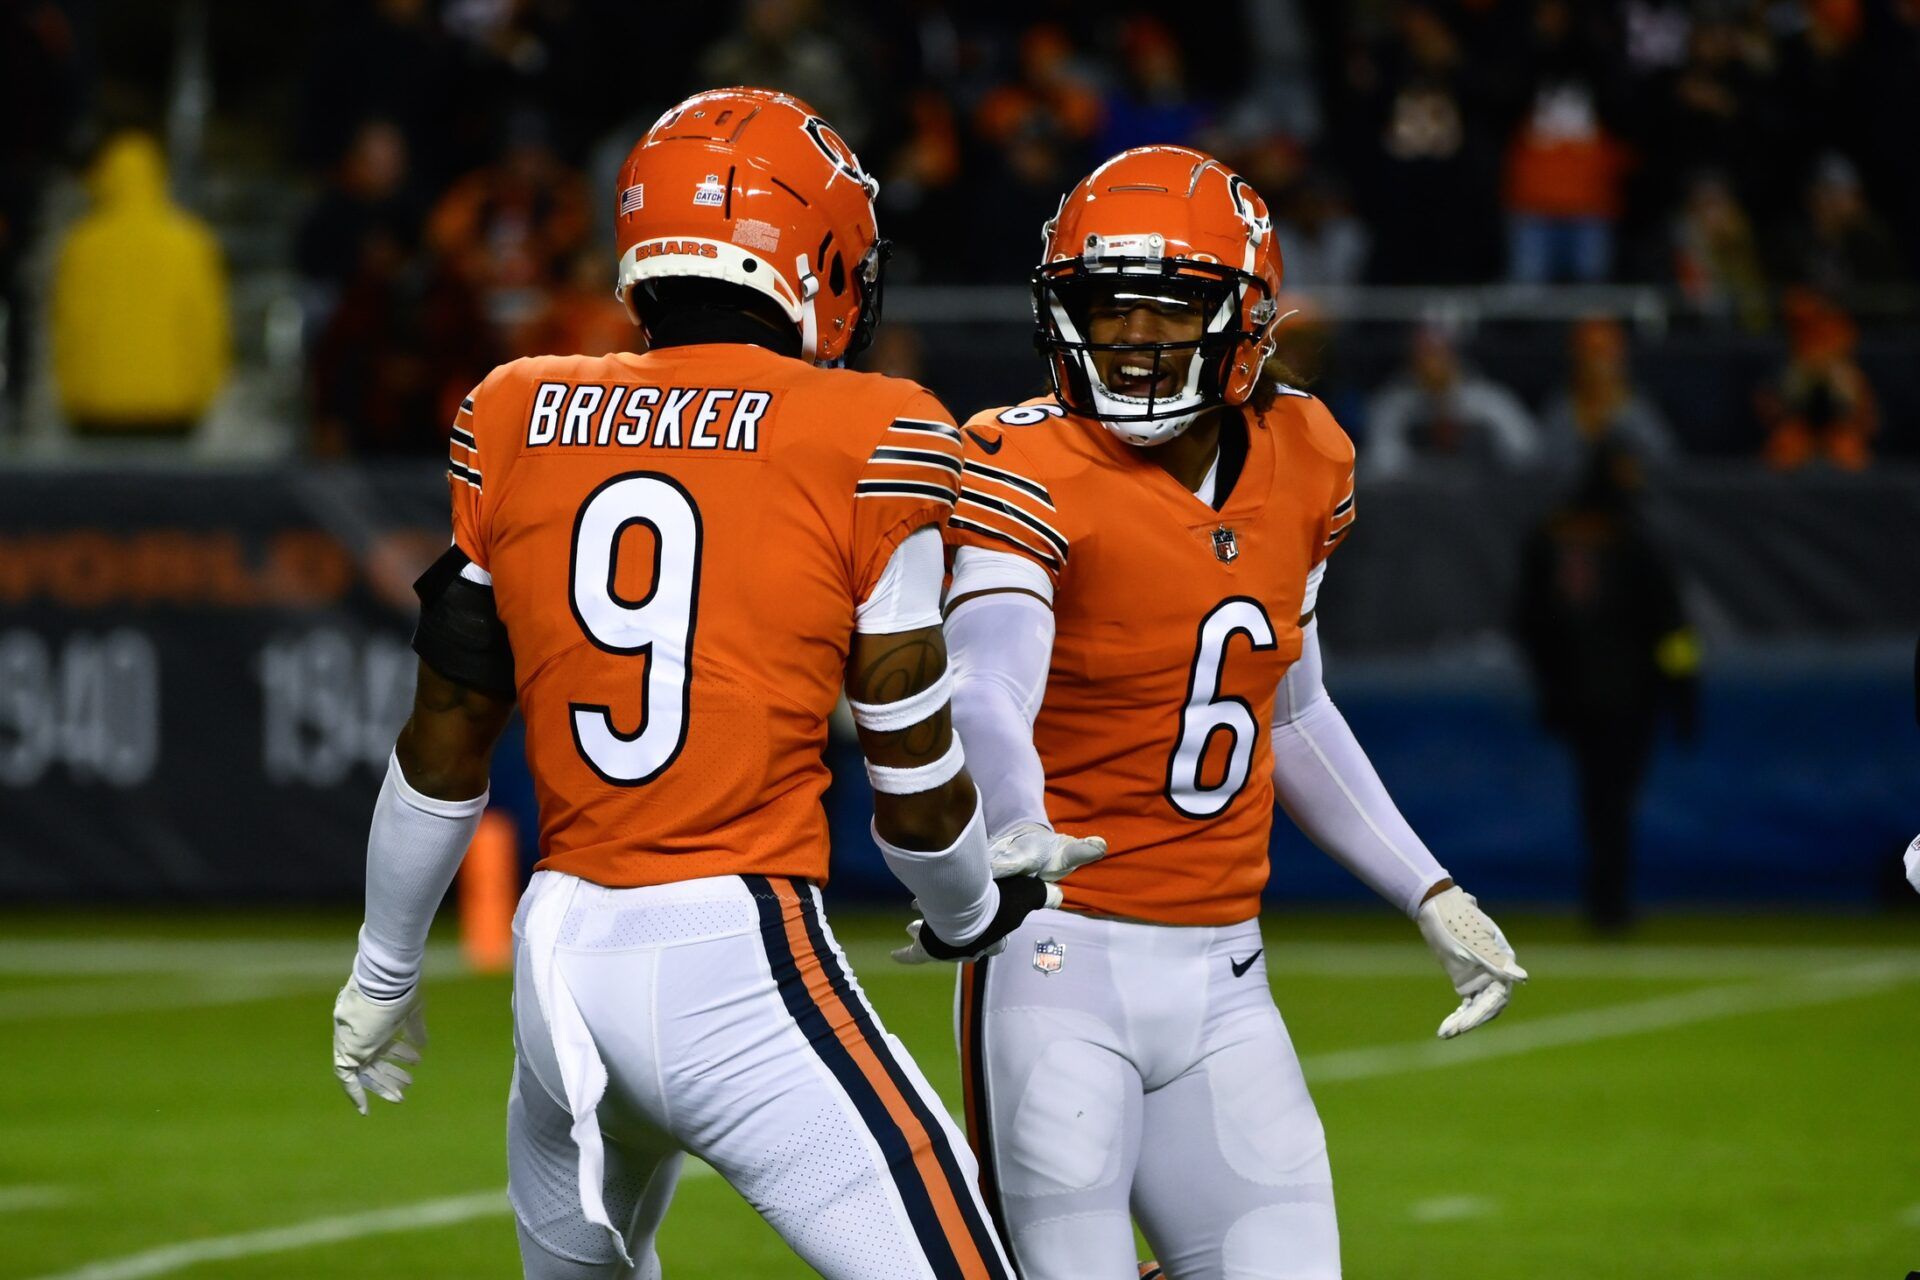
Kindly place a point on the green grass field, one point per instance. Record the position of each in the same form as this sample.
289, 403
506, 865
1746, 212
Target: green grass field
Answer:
1720, 1097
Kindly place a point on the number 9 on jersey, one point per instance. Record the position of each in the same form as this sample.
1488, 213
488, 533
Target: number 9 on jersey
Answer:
659, 626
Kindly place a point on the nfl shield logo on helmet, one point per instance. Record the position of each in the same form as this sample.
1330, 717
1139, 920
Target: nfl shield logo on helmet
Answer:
1225, 546
1048, 956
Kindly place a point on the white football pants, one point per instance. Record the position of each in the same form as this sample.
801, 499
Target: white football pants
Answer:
1114, 1067
719, 1017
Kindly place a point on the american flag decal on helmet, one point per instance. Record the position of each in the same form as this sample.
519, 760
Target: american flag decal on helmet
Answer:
634, 197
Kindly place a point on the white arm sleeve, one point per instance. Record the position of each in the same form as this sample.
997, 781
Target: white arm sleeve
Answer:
1328, 787
953, 886
1001, 646
907, 597
413, 849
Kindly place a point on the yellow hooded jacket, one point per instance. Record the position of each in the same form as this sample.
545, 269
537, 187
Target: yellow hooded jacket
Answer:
140, 328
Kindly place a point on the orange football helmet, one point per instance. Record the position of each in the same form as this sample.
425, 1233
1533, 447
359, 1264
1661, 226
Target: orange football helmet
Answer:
1165, 222
752, 187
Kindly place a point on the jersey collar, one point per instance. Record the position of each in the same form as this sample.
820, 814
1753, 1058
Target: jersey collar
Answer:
1251, 486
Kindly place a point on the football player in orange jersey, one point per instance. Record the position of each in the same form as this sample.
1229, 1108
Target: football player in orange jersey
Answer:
672, 562
1131, 618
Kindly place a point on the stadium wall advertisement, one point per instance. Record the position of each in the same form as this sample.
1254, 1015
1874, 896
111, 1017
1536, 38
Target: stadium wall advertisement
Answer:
201, 674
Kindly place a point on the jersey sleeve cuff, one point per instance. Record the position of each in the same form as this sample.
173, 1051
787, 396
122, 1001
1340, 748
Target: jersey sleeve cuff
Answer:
880, 551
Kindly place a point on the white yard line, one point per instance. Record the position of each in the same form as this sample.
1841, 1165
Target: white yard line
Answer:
304, 1235
1886, 968
72, 957
1452, 1209
21, 1199
41, 1004
188, 986
1510, 1039
420, 1216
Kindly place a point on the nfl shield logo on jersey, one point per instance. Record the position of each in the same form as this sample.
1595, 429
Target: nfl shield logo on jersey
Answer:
1225, 546
1048, 956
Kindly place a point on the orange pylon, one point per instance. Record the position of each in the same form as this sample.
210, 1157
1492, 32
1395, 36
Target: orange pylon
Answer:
489, 887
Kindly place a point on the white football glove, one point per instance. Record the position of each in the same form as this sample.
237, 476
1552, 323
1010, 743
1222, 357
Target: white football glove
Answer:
1913, 863
375, 1041
1032, 849
1475, 955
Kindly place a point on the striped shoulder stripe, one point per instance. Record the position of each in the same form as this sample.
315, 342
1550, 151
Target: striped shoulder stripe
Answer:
466, 406
1041, 553
462, 437
1341, 517
926, 427
988, 502
917, 457
1012, 481
467, 474
902, 489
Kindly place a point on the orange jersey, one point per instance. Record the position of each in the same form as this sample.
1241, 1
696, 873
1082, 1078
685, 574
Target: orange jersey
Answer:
1173, 626
678, 542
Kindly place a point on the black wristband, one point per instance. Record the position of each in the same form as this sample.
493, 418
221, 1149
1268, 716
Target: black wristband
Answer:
1020, 897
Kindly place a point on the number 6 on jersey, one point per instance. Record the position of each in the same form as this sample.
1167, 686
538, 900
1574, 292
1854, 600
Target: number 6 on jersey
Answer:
658, 626
1207, 713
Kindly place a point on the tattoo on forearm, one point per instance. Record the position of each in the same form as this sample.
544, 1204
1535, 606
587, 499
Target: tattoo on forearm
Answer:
902, 670
921, 743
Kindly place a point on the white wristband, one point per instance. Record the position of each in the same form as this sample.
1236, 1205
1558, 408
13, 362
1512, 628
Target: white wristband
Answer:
885, 717
906, 782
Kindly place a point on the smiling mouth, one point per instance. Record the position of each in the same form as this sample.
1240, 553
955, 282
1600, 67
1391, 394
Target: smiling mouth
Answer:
1136, 379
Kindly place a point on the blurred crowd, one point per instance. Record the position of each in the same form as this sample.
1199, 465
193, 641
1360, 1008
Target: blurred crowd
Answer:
1755, 155
1725, 147
1440, 413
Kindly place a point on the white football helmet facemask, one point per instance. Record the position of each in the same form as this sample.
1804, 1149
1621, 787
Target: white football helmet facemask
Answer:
1160, 222
1150, 418
1133, 406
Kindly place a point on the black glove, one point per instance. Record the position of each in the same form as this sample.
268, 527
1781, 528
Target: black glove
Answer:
1020, 896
